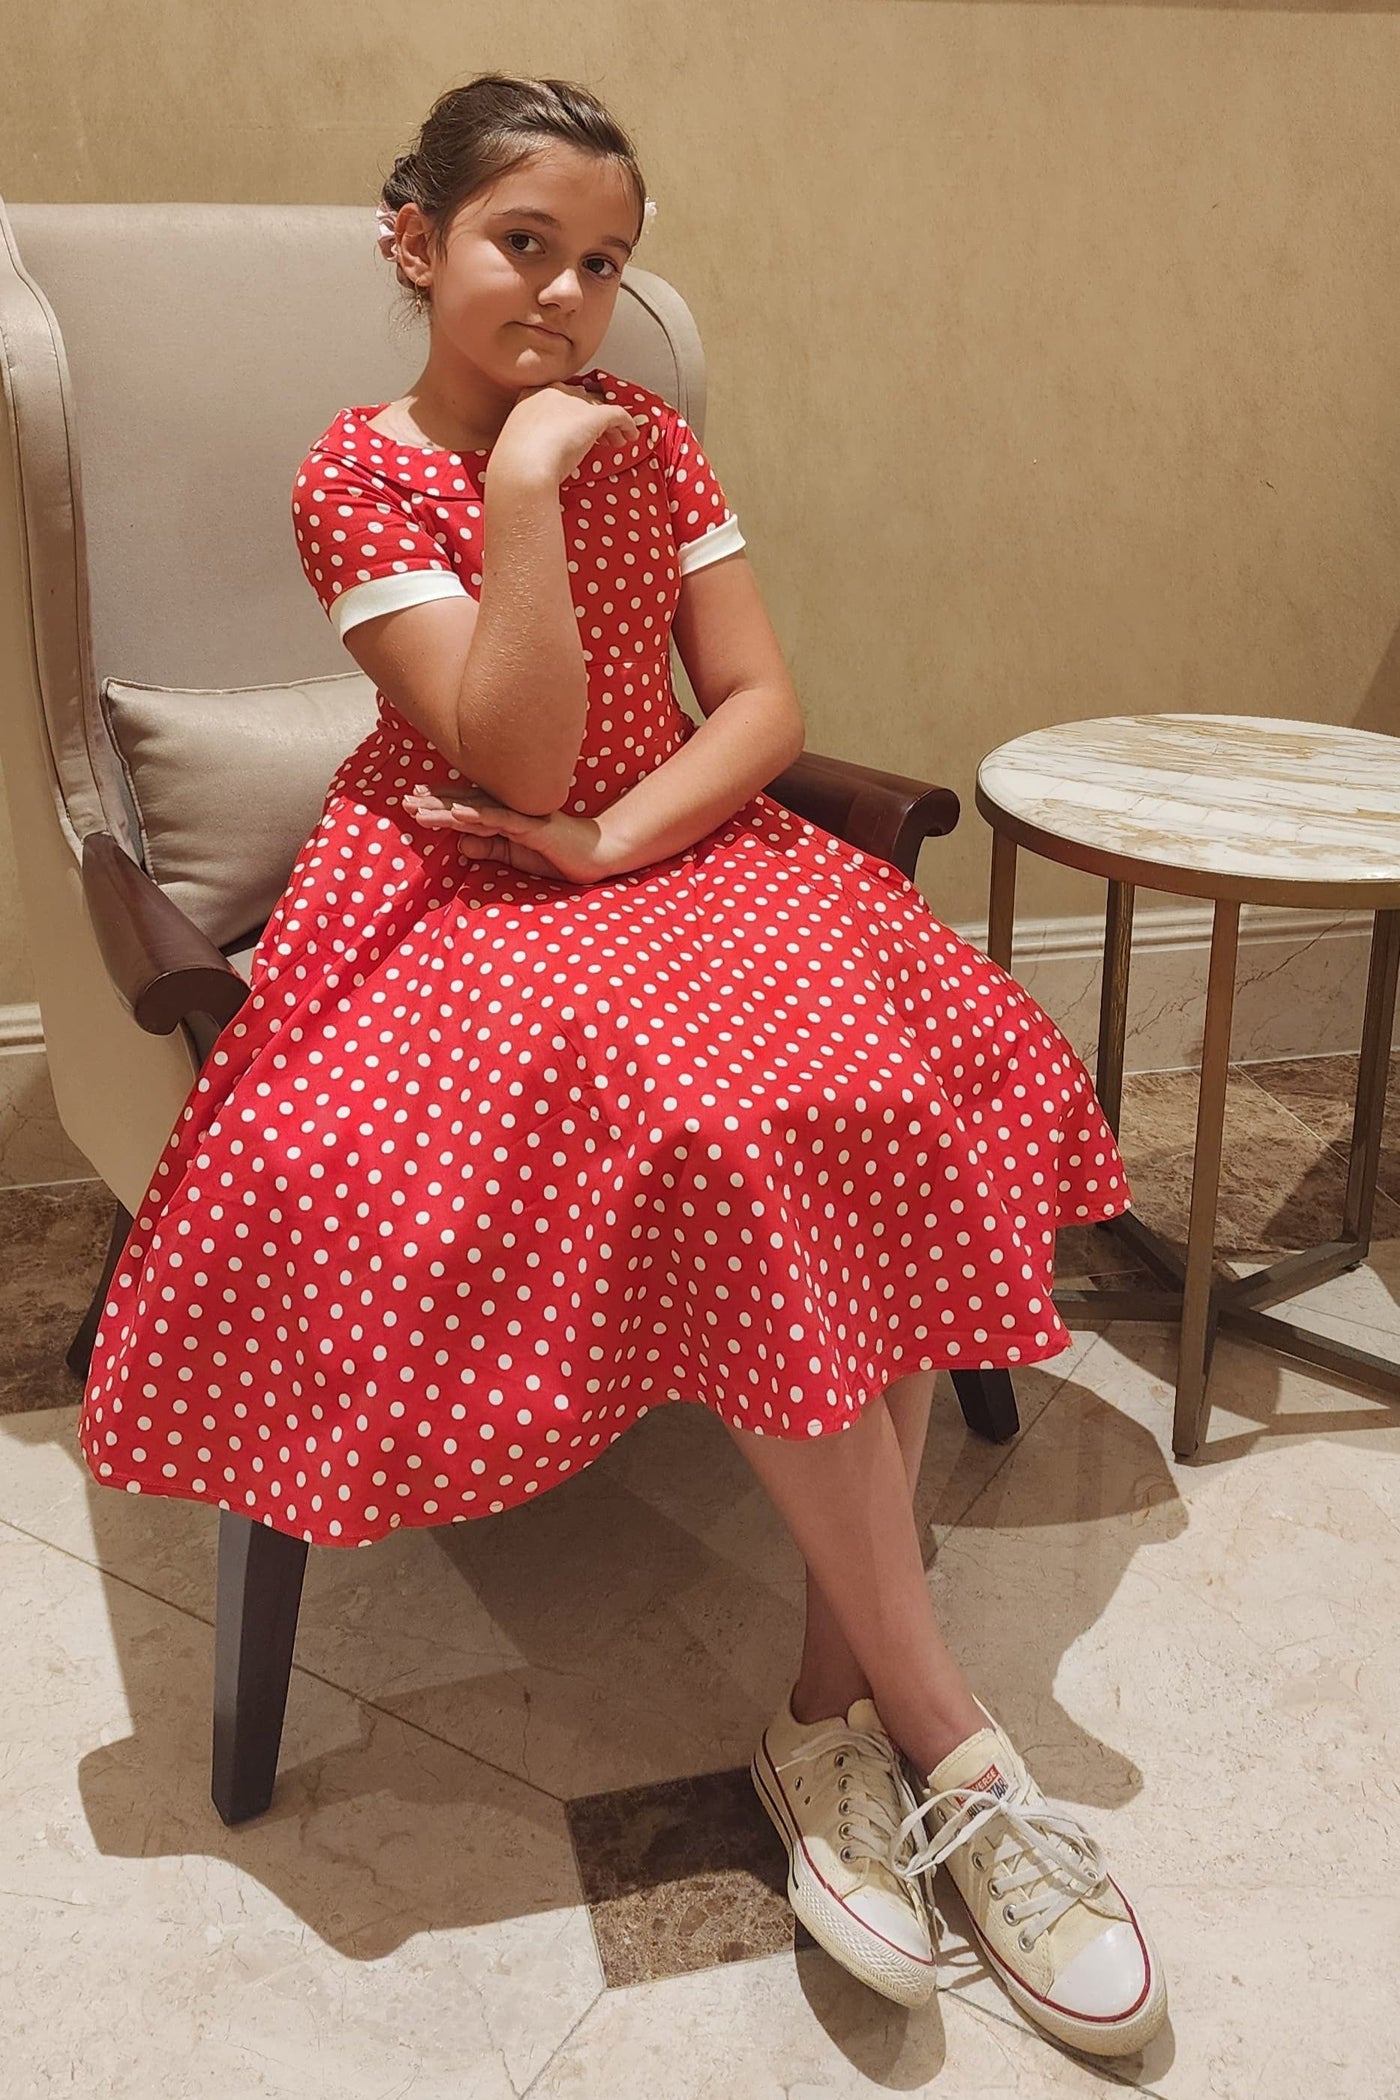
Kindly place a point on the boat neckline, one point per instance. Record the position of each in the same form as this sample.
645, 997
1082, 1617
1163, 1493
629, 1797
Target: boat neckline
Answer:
363, 412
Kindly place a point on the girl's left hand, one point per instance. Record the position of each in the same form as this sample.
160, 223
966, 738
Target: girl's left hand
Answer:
568, 848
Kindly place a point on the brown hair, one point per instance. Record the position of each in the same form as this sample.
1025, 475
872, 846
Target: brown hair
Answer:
478, 132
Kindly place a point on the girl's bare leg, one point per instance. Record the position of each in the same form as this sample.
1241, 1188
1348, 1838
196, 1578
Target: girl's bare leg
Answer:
830, 1678
846, 1500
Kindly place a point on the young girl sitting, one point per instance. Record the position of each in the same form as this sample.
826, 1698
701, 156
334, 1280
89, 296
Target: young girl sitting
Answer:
579, 1077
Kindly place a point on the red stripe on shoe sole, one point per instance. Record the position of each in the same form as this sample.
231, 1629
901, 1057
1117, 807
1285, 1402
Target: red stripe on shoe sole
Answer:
1063, 2012
774, 1794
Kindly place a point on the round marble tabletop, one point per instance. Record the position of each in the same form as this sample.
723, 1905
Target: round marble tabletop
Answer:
1235, 806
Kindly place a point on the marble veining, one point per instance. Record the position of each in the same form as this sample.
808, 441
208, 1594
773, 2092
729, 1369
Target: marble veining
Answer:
34, 1146
1241, 795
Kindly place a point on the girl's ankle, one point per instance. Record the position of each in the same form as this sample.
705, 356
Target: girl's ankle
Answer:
824, 1702
935, 1743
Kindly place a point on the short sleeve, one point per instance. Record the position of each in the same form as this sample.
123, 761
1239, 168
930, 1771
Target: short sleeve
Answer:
702, 524
363, 550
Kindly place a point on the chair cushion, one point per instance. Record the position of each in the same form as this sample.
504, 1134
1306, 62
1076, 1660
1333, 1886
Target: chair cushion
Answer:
228, 784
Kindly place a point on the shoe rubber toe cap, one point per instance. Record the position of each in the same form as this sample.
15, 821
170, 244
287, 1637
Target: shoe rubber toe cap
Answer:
1107, 1979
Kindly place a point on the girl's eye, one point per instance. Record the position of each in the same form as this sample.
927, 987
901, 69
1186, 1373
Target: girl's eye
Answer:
611, 266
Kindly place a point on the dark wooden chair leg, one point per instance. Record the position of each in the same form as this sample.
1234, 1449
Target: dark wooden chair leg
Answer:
79, 1355
255, 1630
988, 1402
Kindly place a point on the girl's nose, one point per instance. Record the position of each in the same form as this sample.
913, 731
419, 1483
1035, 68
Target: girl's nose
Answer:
566, 287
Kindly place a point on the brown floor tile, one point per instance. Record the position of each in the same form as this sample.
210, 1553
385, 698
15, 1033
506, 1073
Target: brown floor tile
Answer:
1321, 1092
52, 1245
684, 1875
1086, 1254
1281, 1183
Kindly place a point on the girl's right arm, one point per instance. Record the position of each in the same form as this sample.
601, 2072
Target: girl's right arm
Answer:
499, 684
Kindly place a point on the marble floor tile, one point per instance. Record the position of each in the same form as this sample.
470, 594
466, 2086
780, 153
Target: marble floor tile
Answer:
34, 1146
957, 1465
800, 2028
1210, 1676
601, 1642
1281, 1183
682, 1876
52, 1245
1273, 1994
638, 1624
1361, 1309
1088, 1254
402, 1919
1319, 1091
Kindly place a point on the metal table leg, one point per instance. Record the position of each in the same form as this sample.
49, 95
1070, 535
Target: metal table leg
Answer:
1199, 1299
1113, 1001
1001, 910
1242, 1304
1376, 1030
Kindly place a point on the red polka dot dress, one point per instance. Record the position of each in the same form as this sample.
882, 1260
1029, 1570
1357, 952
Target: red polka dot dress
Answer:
490, 1164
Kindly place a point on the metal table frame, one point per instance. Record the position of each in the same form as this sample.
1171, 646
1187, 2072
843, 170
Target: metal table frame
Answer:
1194, 1290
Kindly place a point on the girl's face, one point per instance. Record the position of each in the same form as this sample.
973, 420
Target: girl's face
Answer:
524, 300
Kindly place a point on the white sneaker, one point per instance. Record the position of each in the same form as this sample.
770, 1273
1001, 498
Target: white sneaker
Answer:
1054, 1926
836, 1793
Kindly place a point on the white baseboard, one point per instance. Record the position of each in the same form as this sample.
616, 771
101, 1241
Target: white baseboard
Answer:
21, 1028
1299, 992
1300, 987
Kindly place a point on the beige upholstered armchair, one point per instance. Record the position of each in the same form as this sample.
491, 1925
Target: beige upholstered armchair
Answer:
174, 701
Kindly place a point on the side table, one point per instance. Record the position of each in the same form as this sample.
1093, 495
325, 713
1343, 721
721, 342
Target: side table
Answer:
1242, 809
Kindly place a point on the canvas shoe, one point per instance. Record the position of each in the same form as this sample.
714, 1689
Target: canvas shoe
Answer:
1054, 1926
836, 1793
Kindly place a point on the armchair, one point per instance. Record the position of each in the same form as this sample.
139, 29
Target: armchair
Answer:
132, 380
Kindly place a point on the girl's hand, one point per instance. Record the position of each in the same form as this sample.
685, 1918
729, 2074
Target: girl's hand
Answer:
558, 425
568, 848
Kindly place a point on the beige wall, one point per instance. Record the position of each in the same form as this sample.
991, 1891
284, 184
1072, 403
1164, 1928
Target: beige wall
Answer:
1054, 358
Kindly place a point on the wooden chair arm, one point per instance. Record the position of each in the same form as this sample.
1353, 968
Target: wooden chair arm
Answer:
882, 813
163, 967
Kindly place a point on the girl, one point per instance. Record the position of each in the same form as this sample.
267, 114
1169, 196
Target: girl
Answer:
579, 1077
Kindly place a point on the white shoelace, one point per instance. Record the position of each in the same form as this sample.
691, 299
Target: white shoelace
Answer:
1042, 1851
872, 1830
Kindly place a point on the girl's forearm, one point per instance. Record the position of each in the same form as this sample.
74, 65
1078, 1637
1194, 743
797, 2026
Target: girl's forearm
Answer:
524, 696
746, 742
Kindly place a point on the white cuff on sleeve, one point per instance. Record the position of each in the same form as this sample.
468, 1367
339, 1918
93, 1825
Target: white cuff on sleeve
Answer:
721, 539
382, 594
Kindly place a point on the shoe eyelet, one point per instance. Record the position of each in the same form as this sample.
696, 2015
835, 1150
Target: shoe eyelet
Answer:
1007, 1913
979, 1861
1023, 1943
846, 1852
840, 1757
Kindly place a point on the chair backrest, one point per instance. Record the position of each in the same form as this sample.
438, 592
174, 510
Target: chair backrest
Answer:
165, 367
